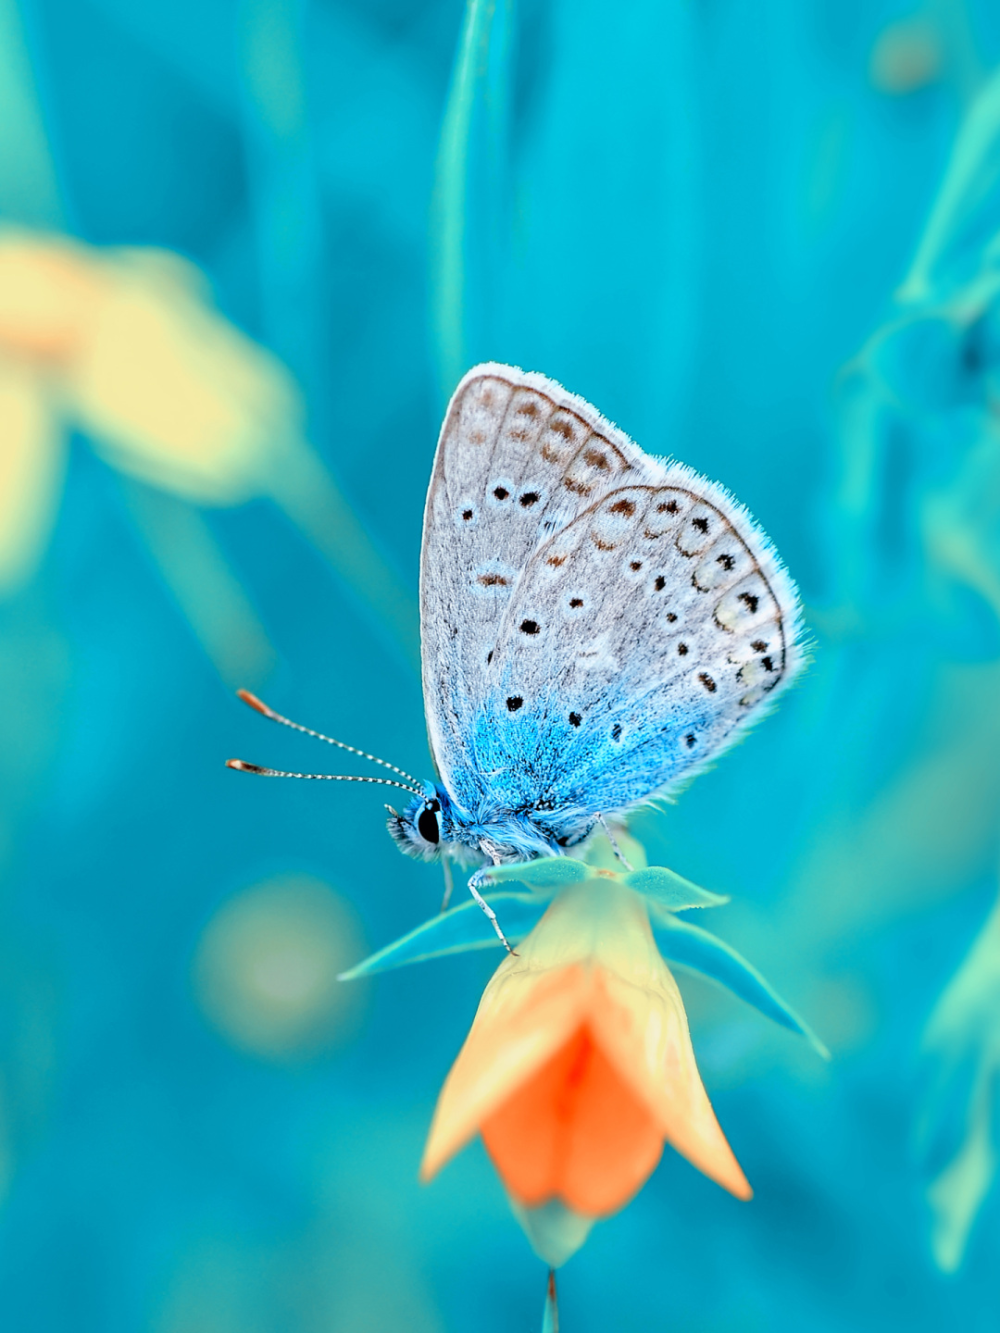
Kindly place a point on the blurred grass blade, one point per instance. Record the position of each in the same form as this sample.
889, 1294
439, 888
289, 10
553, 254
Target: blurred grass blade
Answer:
305, 490
473, 68
694, 948
963, 218
203, 584
29, 187
32, 464
463, 928
956, 1134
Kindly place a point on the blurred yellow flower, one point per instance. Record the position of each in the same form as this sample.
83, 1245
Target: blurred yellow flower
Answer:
126, 346
579, 1064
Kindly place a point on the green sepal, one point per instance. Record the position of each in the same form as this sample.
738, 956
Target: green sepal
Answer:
545, 874
459, 930
669, 890
691, 947
549, 874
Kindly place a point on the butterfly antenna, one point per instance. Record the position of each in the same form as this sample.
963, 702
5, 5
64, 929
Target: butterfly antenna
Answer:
241, 766
259, 706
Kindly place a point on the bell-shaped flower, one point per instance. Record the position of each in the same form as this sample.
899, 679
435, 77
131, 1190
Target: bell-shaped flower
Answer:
579, 1064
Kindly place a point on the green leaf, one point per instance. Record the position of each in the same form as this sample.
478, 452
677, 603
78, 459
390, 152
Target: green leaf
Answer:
694, 948
547, 872
671, 891
462, 929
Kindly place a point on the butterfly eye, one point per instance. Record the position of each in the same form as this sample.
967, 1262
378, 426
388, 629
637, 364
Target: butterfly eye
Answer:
429, 823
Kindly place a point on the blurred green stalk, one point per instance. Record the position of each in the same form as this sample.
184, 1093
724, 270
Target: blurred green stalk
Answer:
476, 78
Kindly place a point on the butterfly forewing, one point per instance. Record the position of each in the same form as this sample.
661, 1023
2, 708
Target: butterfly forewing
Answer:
595, 622
519, 458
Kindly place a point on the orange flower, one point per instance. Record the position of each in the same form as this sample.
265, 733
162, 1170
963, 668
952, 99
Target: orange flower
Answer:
579, 1064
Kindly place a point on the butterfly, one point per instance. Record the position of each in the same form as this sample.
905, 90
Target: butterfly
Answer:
596, 624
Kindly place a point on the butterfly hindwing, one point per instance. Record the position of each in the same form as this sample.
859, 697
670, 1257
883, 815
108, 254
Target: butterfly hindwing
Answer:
637, 643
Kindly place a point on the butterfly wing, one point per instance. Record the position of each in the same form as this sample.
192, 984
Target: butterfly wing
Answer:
640, 639
518, 460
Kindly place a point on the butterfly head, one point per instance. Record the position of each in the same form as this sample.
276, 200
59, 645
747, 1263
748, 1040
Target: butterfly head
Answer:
424, 826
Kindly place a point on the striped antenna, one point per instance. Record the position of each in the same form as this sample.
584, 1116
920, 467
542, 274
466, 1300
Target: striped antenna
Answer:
241, 766
259, 706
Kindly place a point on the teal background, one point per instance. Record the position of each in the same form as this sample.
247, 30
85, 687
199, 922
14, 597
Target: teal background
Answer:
696, 213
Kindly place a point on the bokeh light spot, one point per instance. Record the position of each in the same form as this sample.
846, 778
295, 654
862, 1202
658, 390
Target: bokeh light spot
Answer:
906, 56
265, 969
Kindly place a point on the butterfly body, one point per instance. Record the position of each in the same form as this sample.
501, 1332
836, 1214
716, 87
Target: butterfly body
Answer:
596, 623
494, 832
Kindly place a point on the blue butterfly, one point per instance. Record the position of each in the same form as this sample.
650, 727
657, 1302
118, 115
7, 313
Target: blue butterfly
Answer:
596, 624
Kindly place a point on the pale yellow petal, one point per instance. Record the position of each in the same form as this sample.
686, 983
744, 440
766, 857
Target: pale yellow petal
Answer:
522, 1020
637, 1017
644, 1033
32, 451
173, 394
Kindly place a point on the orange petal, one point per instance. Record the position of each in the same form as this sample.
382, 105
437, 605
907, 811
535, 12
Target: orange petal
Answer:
576, 1132
523, 1019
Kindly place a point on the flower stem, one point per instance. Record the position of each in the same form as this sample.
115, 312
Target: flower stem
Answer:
550, 1320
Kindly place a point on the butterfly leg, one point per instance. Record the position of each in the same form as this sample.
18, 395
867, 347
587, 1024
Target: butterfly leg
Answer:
446, 868
614, 845
474, 883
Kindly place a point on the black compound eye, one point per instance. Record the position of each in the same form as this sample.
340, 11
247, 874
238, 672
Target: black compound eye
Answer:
427, 823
